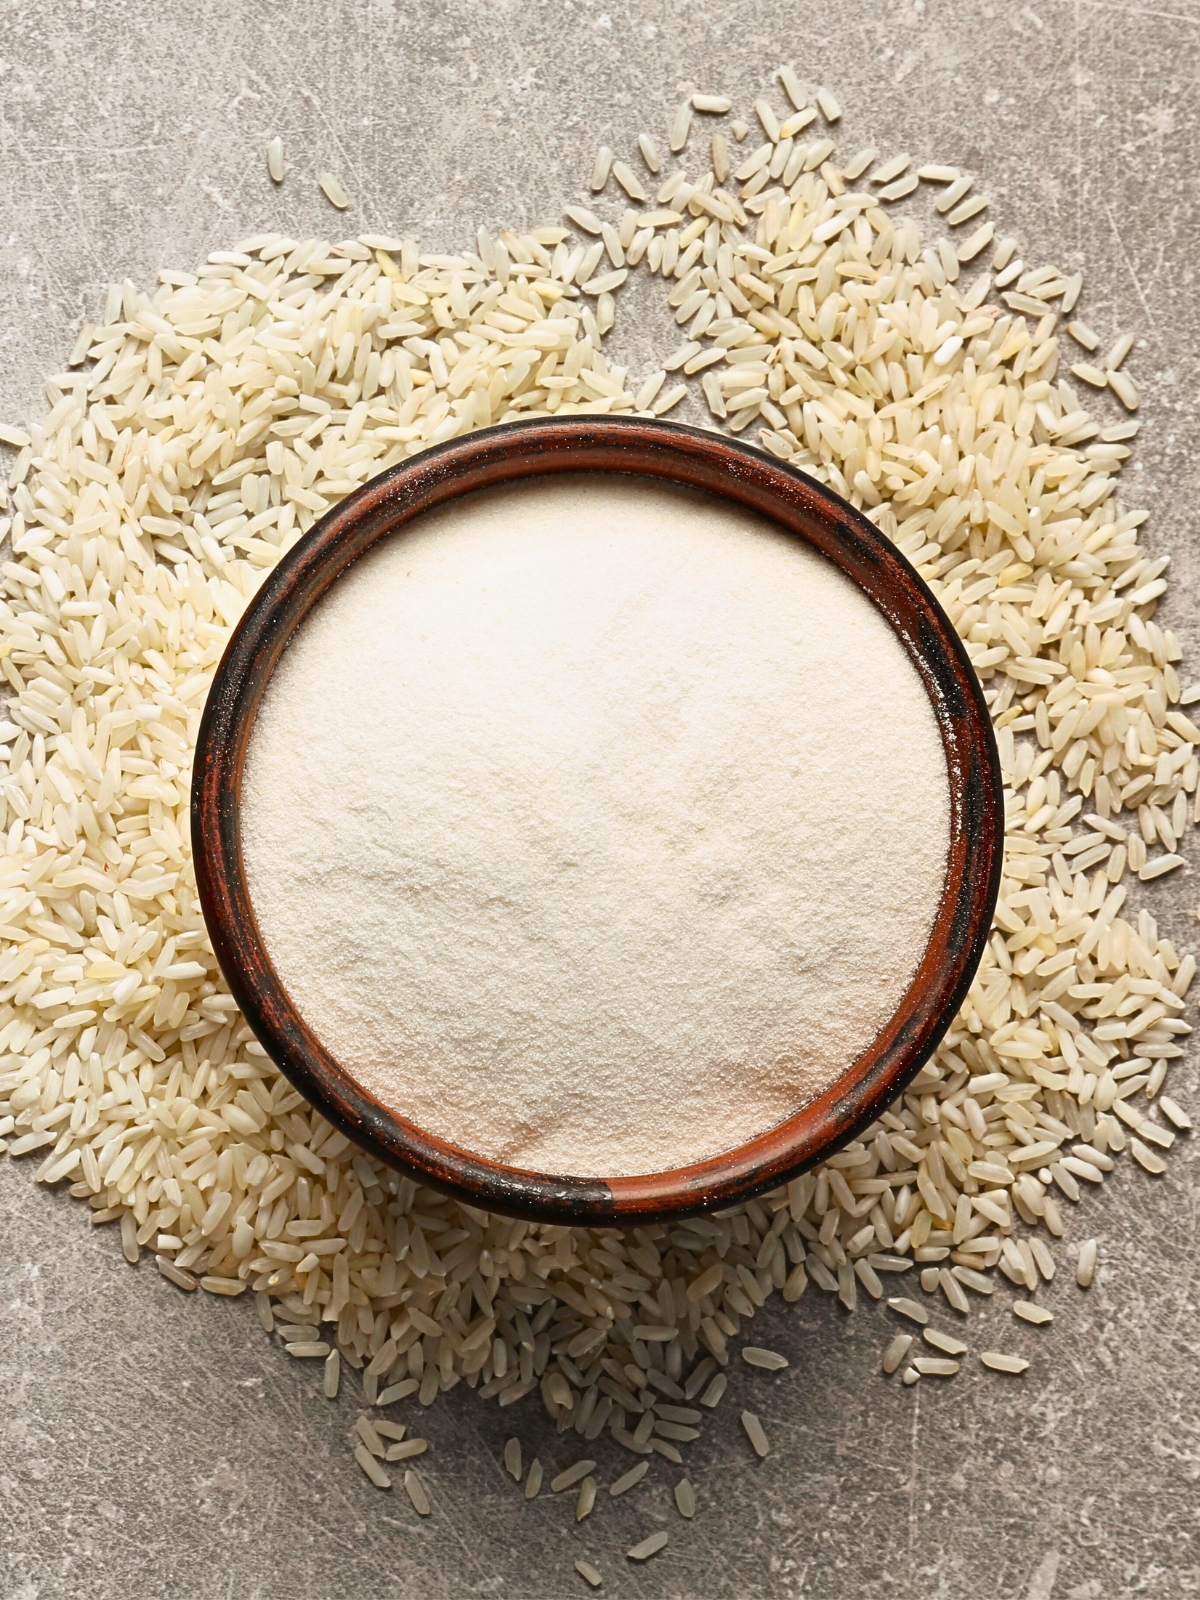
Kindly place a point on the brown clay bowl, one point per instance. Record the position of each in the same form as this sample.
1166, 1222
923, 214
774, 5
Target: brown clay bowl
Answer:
730, 470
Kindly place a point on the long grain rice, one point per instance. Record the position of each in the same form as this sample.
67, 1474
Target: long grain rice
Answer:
1085, 1267
999, 1362
648, 1547
297, 370
755, 1434
334, 190
896, 1351
768, 1360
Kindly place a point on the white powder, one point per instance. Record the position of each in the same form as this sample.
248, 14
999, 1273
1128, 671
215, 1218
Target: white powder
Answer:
595, 825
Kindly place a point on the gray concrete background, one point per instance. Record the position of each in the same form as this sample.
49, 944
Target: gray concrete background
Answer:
152, 1444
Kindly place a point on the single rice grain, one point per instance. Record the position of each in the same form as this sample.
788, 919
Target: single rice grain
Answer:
416, 1493
334, 190
1085, 1266
648, 1547
1000, 1362
754, 1432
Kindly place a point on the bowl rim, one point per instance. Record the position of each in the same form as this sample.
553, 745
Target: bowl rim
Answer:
727, 469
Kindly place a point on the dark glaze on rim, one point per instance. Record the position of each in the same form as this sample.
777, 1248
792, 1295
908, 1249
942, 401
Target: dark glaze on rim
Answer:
729, 470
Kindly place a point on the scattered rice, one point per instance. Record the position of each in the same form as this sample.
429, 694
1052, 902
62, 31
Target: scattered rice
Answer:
793, 88
896, 1351
369, 1435
396, 1391
627, 1479
1163, 1137
650, 153
275, 159
586, 1500
681, 127
629, 181
935, 1367
334, 190
891, 169
572, 1475
1002, 1363
1083, 335
406, 1449
648, 1547
714, 1391
142, 513
1145, 1157
858, 164
829, 107
182, 1280
685, 1499
512, 1458
1175, 1112
718, 104
768, 1360
589, 1573
601, 168
754, 1432
969, 208
1085, 1267
1118, 352
1123, 388
371, 1467
909, 1376
129, 1239
1028, 1312
944, 1341
583, 218
416, 1493
332, 1377
898, 190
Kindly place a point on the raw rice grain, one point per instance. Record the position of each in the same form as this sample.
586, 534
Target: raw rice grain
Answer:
1000, 1362
896, 1351
334, 190
628, 1479
768, 1360
648, 1547
208, 545
754, 1432
415, 1490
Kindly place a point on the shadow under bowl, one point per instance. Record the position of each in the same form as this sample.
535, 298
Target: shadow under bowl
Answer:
730, 471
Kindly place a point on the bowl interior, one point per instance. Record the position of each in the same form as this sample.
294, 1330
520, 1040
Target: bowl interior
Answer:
719, 467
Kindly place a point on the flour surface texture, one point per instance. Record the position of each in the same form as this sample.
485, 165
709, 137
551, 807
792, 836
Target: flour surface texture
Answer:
595, 825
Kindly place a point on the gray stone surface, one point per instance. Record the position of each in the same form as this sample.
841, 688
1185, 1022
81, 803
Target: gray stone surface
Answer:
153, 1444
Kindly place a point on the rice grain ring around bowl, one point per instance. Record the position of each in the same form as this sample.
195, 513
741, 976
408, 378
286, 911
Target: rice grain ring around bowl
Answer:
805, 509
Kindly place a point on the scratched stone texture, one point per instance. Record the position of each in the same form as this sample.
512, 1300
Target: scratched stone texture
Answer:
153, 1444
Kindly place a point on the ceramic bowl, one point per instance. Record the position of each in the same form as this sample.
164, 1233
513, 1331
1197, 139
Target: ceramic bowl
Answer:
731, 471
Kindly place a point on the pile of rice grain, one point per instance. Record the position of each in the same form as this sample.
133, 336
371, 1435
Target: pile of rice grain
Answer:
201, 429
